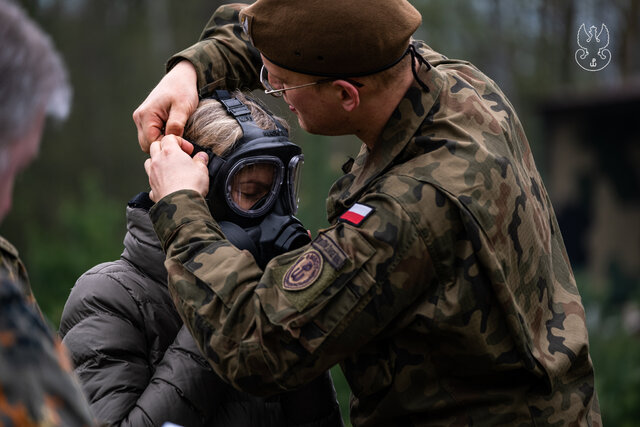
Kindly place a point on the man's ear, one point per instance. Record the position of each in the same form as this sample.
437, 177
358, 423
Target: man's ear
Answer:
348, 93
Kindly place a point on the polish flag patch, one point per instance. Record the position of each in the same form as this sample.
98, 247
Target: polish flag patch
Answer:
357, 214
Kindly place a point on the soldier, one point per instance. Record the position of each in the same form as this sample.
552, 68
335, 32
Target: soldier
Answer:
36, 385
442, 286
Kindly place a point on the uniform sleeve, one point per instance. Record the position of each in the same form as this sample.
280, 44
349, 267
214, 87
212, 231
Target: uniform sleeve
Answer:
223, 57
37, 386
310, 308
14, 270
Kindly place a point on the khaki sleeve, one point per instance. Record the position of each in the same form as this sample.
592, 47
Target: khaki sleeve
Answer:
273, 330
36, 382
223, 57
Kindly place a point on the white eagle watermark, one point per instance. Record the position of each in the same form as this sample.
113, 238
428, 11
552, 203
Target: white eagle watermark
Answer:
593, 54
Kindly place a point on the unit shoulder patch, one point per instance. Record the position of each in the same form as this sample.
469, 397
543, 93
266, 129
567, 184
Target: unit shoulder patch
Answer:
304, 272
330, 250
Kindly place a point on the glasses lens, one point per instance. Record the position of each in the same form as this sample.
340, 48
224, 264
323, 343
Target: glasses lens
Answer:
252, 186
295, 169
264, 79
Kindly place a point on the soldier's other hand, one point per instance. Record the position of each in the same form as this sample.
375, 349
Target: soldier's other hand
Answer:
168, 106
171, 169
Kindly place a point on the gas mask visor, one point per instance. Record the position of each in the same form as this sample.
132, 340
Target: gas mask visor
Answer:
255, 182
259, 177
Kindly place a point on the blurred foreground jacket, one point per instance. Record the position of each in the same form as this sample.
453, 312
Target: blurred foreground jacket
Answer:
139, 365
37, 387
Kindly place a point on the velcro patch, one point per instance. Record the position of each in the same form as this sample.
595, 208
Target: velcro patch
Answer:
304, 272
330, 250
356, 214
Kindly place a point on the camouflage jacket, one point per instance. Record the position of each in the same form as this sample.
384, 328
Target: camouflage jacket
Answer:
36, 384
442, 287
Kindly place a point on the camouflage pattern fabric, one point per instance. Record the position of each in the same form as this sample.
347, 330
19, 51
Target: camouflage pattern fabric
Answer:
36, 384
224, 57
442, 287
15, 271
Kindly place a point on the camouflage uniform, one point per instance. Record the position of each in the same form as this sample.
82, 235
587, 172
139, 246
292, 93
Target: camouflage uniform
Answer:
442, 287
36, 384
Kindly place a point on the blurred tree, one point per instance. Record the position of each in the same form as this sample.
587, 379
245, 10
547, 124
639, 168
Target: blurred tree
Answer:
115, 52
629, 37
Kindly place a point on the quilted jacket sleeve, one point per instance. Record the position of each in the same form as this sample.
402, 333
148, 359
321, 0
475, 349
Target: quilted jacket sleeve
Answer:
121, 343
184, 389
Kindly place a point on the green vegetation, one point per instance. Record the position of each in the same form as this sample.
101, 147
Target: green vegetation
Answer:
614, 335
615, 356
89, 229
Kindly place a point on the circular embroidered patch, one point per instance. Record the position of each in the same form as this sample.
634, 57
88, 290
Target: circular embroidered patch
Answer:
304, 272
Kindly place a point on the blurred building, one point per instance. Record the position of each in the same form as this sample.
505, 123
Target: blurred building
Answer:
592, 150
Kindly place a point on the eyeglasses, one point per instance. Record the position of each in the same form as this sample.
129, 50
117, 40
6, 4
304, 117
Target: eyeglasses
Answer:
270, 90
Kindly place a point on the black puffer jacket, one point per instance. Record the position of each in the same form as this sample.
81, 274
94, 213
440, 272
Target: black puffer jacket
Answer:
139, 365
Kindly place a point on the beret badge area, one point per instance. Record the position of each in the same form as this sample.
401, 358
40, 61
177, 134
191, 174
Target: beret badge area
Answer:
245, 21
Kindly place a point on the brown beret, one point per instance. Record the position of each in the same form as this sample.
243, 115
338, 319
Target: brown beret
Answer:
333, 38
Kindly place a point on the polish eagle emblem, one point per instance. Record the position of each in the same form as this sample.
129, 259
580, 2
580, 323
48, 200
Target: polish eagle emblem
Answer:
593, 54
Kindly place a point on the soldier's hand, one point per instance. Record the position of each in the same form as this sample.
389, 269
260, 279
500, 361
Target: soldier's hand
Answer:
170, 168
168, 106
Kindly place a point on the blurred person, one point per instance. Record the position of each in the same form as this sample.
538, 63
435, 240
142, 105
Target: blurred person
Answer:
36, 383
137, 362
442, 285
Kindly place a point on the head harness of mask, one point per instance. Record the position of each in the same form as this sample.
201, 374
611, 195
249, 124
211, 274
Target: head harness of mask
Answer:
253, 190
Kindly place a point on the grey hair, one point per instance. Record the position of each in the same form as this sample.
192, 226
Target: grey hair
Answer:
211, 126
33, 78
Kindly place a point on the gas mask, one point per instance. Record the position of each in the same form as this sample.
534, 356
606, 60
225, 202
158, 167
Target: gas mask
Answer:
253, 191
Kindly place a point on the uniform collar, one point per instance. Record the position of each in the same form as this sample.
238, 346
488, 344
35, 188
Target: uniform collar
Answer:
405, 121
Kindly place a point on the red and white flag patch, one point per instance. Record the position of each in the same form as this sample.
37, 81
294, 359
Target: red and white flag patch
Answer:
357, 214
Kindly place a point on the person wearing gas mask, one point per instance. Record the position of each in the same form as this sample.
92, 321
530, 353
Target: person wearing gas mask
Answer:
138, 364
